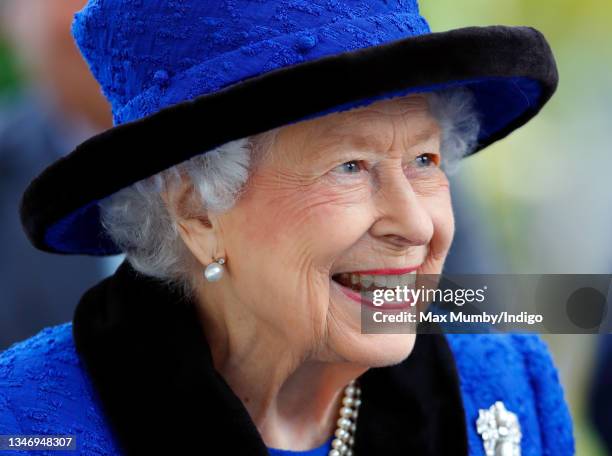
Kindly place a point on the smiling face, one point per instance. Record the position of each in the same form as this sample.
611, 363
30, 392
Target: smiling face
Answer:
339, 202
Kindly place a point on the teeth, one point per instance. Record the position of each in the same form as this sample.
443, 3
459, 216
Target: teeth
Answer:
380, 281
366, 280
407, 280
393, 281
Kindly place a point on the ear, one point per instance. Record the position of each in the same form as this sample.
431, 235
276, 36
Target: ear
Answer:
198, 232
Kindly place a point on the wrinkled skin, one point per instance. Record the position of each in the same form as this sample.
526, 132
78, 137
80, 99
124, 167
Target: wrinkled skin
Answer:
350, 191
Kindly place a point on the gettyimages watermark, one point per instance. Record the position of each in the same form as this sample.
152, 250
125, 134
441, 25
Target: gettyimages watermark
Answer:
488, 303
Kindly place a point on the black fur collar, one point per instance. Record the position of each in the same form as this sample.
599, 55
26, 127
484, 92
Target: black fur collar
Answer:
151, 366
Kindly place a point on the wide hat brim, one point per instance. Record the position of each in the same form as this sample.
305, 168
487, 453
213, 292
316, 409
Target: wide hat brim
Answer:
511, 71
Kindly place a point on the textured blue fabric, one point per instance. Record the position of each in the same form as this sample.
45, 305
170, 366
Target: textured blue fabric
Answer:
45, 390
188, 49
319, 451
148, 55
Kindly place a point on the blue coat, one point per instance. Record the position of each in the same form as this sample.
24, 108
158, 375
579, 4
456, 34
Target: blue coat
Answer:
134, 388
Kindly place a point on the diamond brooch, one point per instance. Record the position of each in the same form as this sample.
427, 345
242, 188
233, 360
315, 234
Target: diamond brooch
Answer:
500, 431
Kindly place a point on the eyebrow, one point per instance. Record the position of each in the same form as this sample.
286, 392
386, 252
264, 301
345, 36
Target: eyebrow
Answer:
372, 141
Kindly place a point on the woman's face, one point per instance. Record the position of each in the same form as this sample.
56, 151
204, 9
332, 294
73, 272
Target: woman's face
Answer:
342, 194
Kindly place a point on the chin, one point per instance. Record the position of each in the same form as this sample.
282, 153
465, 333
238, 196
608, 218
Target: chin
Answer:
380, 350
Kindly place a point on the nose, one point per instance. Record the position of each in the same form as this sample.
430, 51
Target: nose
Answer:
403, 219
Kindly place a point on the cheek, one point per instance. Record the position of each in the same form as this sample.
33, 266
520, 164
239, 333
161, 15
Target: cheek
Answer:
286, 243
307, 224
440, 208
287, 239
335, 224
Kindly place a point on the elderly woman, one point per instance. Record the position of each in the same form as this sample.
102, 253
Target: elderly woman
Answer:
271, 161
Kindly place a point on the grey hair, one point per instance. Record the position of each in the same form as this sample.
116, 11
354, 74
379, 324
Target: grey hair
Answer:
459, 124
137, 219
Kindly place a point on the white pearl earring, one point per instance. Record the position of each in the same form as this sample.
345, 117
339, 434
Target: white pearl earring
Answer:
214, 271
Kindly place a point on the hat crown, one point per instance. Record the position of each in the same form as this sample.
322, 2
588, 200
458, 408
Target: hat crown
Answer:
149, 54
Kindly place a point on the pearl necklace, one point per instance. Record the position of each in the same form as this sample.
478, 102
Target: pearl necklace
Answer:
347, 423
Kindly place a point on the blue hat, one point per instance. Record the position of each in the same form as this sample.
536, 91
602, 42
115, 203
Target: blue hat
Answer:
186, 76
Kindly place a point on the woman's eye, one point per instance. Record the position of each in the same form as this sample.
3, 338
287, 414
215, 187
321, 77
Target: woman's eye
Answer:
427, 160
350, 167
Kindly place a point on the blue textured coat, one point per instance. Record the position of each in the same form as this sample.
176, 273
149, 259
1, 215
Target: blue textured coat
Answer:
45, 387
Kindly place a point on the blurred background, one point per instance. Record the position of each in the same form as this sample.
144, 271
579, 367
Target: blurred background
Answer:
49, 103
538, 202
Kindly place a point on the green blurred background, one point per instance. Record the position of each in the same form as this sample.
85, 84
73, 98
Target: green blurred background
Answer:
9, 75
544, 192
